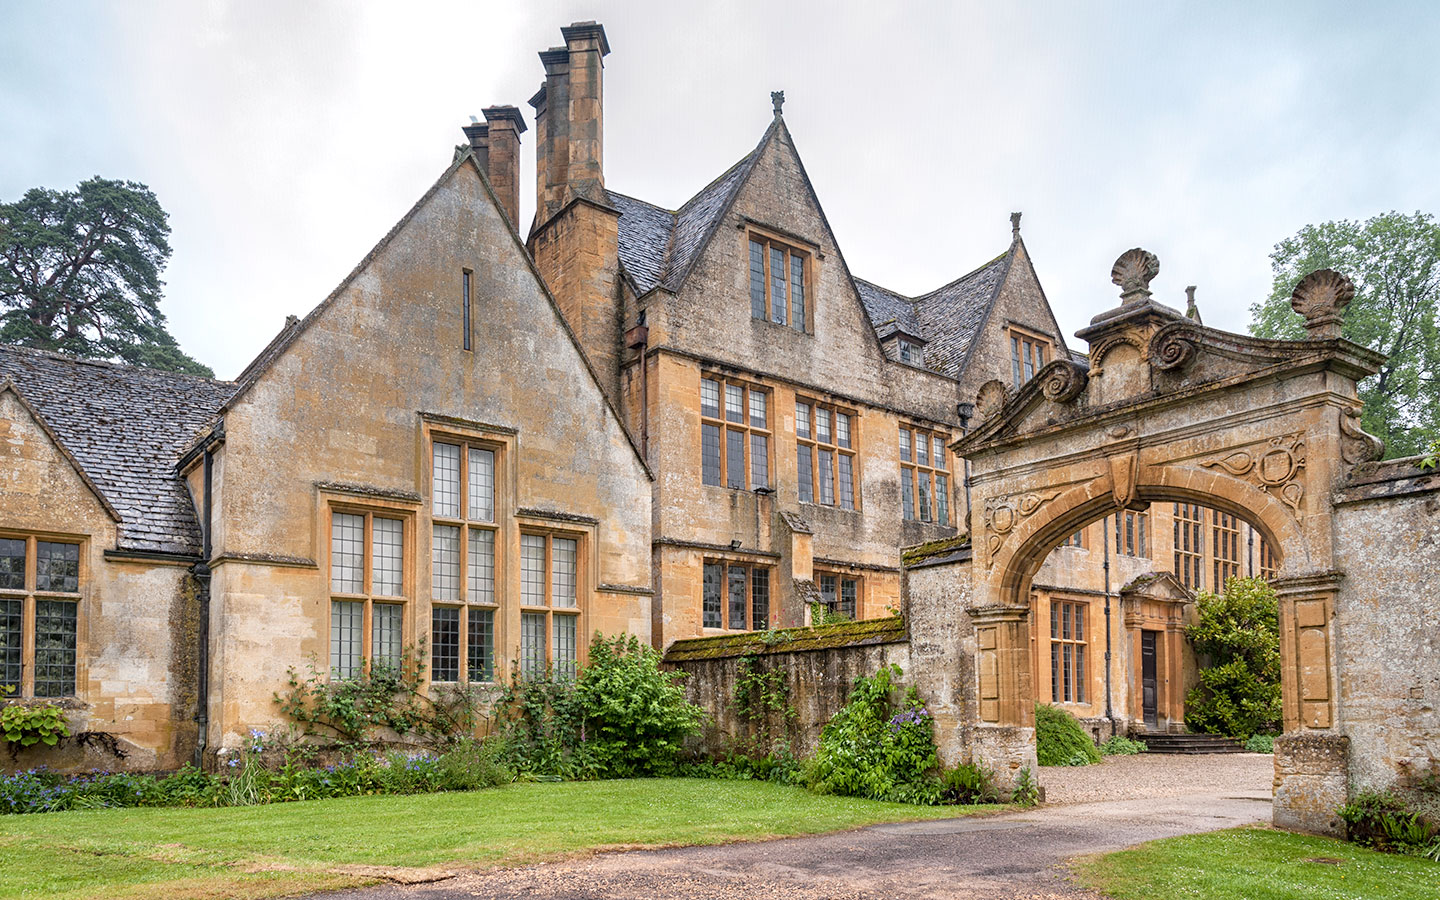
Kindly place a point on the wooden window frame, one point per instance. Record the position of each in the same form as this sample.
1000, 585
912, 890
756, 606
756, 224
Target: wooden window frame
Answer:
369, 511
922, 472
30, 596
814, 446
463, 601
1190, 545
1069, 673
916, 350
1030, 351
789, 250
841, 576
1132, 534
749, 567
549, 610
1225, 555
744, 427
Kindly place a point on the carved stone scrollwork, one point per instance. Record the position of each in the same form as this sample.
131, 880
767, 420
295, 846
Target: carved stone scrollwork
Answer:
1064, 382
1173, 347
1134, 271
991, 399
1275, 468
1357, 445
1321, 297
1002, 514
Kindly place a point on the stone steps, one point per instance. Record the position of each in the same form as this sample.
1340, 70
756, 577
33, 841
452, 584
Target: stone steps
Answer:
1188, 743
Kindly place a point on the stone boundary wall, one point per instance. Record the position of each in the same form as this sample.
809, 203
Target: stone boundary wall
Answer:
820, 665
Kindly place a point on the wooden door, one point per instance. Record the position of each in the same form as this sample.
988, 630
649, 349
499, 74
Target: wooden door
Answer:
1149, 693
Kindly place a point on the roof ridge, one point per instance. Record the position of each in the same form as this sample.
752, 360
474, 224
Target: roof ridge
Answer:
972, 273
646, 202
106, 363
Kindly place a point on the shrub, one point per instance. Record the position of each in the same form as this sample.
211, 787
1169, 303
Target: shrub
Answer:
1239, 632
968, 783
779, 767
25, 725
1120, 745
876, 749
542, 728
1060, 740
1027, 791
1260, 743
636, 716
1383, 821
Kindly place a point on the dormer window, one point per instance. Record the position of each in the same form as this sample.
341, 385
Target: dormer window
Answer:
912, 353
778, 282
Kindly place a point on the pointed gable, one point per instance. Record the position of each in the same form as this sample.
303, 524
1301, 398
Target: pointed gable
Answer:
124, 427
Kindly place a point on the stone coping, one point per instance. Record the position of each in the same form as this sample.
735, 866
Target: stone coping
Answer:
889, 630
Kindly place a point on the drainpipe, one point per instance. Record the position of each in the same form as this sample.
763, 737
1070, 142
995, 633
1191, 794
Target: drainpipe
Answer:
201, 571
1109, 708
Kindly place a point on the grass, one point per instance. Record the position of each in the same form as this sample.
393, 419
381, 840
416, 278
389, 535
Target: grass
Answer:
1259, 864
292, 848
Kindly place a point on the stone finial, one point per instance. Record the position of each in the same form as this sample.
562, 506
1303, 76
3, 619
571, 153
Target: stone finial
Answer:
1134, 271
1192, 312
777, 100
1321, 297
1015, 225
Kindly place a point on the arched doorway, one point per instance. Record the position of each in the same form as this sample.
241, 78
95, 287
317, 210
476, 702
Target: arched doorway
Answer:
1165, 410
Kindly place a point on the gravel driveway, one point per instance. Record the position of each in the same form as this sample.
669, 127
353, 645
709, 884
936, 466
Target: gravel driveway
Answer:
1017, 856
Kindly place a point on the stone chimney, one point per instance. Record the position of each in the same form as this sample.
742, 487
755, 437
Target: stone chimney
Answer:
496, 145
569, 121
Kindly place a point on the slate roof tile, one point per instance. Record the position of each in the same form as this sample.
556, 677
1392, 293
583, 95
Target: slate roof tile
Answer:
126, 426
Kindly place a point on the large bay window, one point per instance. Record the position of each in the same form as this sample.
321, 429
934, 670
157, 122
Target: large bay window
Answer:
924, 483
734, 434
463, 592
40, 582
825, 454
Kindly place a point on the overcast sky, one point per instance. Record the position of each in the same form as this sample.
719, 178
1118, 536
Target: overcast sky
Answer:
285, 138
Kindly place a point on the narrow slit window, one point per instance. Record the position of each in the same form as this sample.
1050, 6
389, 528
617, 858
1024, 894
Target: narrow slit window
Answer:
465, 302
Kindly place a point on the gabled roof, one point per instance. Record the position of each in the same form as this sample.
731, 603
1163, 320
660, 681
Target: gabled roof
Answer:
658, 247
947, 318
124, 426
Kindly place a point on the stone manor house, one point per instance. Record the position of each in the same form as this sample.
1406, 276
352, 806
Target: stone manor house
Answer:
628, 419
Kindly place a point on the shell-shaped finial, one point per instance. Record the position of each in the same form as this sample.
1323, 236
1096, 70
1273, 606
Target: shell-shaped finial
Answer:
1134, 271
1321, 297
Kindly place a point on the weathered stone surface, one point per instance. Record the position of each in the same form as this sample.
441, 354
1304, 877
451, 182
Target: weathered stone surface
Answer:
1311, 782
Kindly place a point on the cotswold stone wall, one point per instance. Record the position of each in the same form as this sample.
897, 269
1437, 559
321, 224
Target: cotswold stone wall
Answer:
1387, 618
819, 667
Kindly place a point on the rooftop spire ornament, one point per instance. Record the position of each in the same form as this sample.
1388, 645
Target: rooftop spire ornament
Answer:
777, 99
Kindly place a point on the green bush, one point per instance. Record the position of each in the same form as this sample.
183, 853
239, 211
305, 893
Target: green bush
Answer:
1260, 743
1385, 822
1239, 632
636, 716
877, 749
1027, 791
622, 717
1060, 740
25, 725
1120, 745
969, 783
779, 767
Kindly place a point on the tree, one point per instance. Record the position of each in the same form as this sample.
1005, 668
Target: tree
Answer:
1394, 261
1238, 631
80, 273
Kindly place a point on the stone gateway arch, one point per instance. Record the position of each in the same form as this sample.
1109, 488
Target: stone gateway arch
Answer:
1168, 410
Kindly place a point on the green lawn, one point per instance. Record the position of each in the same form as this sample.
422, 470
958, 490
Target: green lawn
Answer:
291, 848
1259, 864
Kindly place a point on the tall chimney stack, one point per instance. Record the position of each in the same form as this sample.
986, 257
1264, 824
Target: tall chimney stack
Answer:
503, 169
569, 122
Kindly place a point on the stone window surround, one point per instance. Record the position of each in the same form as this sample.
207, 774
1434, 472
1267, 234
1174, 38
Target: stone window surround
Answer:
1023, 342
584, 587
793, 247
814, 444
843, 574
726, 562
29, 596
744, 426
928, 470
334, 502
